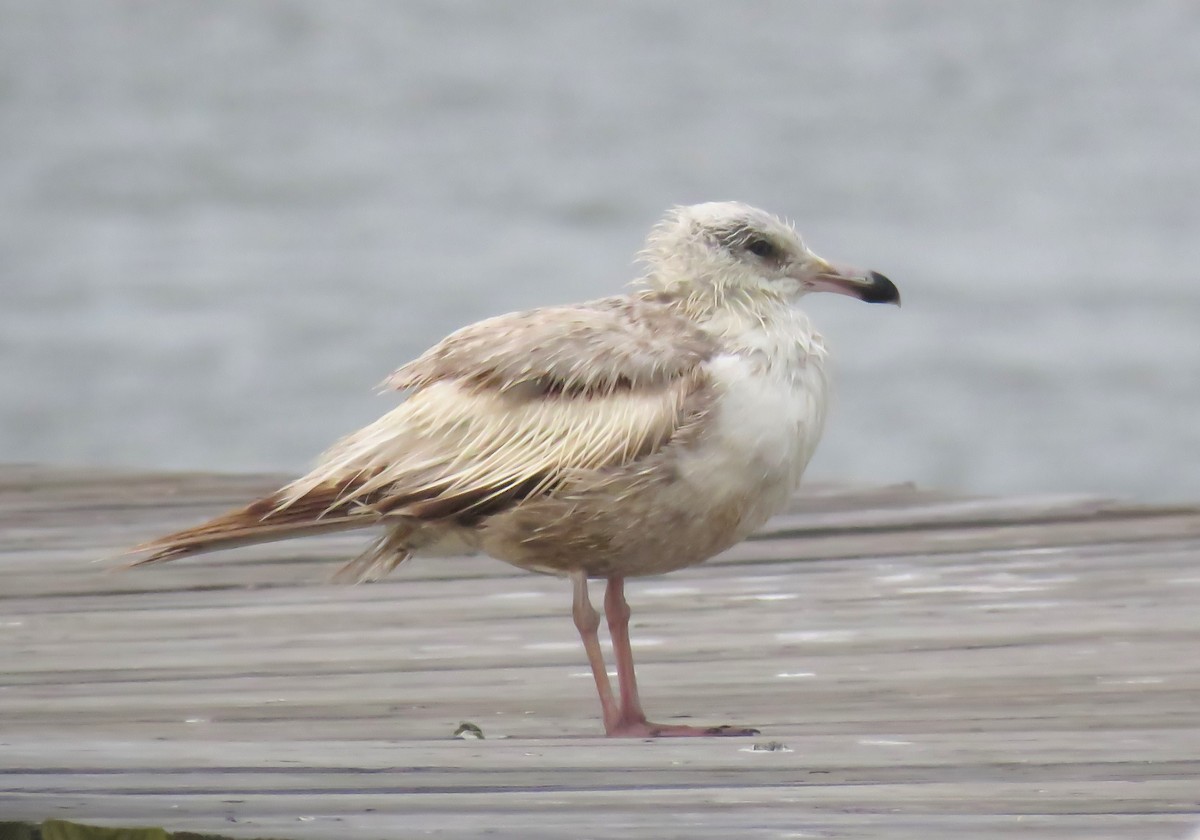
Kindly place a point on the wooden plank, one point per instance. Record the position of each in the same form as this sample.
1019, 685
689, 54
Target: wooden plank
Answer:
935, 668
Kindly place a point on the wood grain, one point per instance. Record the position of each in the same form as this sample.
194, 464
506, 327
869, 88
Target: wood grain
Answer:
935, 666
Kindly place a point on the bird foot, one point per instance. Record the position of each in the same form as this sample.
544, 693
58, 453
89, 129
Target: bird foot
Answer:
648, 729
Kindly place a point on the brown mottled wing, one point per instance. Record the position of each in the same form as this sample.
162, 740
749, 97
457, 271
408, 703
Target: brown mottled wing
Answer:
604, 345
499, 411
504, 408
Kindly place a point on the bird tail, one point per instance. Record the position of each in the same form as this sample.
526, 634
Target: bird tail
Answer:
276, 517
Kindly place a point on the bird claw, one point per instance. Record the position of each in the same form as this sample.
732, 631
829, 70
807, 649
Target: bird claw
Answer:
729, 730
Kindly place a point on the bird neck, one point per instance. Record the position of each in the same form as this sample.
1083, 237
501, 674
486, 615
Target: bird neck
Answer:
747, 322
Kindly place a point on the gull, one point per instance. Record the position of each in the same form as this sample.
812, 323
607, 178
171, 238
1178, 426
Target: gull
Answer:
626, 436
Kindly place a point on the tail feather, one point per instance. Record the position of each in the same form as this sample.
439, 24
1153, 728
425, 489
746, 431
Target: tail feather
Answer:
274, 517
383, 555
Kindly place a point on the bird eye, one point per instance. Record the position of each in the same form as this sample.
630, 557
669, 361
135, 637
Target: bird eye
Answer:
761, 248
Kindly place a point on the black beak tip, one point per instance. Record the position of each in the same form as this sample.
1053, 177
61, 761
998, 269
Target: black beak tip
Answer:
881, 290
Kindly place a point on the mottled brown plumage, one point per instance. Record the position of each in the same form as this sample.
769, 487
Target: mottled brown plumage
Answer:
621, 437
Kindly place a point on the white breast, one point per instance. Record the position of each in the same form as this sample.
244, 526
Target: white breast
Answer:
766, 423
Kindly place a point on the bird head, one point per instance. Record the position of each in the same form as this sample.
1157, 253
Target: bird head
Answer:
727, 248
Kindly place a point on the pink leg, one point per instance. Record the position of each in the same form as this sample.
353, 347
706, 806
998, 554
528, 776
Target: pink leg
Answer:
587, 622
631, 720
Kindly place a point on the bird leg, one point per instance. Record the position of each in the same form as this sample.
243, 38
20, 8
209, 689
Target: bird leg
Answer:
587, 622
617, 612
630, 720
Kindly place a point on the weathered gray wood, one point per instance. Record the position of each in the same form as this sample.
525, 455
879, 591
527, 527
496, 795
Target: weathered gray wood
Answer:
937, 667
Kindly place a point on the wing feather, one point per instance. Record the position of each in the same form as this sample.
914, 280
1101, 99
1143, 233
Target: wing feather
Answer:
608, 344
508, 407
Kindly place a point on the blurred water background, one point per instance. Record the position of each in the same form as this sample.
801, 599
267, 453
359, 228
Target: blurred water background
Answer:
222, 223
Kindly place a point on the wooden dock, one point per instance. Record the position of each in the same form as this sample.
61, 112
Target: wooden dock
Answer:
921, 666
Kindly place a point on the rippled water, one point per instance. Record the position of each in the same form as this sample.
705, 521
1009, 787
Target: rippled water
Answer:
222, 223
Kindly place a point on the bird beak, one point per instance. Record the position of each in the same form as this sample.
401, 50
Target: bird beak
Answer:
866, 285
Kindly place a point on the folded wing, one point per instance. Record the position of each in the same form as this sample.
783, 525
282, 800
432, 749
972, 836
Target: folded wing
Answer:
507, 407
